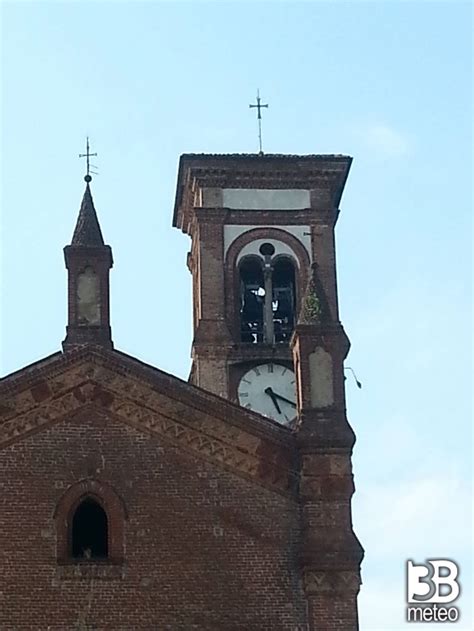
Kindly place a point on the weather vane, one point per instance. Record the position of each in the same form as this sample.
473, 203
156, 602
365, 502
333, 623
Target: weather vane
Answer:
87, 155
259, 106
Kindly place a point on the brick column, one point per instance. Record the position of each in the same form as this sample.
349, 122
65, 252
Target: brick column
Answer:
324, 255
330, 552
332, 600
212, 339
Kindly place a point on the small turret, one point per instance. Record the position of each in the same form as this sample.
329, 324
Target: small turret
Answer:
88, 261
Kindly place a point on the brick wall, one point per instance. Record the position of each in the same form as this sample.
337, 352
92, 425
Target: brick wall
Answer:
203, 548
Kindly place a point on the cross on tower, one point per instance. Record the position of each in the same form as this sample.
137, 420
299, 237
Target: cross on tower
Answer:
87, 155
259, 106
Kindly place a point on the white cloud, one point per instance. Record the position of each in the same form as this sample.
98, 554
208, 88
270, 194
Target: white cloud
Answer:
386, 140
427, 516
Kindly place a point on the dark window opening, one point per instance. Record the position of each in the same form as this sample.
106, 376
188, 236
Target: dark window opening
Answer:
252, 300
89, 531
283, 300
259, 322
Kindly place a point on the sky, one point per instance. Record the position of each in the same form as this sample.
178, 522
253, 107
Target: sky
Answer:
389, 83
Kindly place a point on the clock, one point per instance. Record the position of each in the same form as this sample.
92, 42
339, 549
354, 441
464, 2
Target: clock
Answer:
269, 389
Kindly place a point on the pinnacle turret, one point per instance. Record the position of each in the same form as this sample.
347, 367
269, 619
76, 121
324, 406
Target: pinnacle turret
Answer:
88, 261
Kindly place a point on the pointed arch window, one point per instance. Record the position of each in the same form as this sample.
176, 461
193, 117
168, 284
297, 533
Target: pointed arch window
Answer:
90, 524
90, 531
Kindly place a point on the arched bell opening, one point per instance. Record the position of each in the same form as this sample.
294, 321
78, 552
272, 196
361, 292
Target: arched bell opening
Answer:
283, 299
252, 299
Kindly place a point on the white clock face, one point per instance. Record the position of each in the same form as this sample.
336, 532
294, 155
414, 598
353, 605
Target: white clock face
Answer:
270, 390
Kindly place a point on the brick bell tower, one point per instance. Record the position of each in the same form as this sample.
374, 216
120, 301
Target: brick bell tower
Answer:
258, 224
267, 335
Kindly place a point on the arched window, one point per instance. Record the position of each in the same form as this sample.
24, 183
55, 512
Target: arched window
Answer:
252, 300
283, 299
89, 531
261, 322
90, 523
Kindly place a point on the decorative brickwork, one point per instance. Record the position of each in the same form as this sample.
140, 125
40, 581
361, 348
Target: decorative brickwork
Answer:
93, 385
333, 582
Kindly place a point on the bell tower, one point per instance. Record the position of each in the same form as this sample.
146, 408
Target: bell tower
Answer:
267, 335
258, 223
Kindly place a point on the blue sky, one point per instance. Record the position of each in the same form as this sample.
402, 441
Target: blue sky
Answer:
389, 83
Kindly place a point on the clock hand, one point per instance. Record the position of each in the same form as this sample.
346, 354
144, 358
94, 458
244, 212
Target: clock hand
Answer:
272, 396
279, 396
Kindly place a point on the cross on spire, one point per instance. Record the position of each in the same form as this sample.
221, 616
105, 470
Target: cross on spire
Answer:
87, 155
259, 105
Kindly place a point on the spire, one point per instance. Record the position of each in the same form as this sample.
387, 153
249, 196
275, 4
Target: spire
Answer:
87, 230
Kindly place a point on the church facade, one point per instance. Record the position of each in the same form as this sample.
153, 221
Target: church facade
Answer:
133, 500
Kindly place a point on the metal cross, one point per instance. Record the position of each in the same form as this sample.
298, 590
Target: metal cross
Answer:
259, 106
87, 155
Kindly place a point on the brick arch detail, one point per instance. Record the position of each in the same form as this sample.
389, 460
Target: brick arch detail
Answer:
231, 268
113, 506
267, 233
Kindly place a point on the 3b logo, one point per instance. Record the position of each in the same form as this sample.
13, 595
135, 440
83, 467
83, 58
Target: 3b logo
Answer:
430, 584
426, 582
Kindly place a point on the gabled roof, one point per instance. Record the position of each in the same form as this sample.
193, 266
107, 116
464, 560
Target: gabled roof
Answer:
151, 400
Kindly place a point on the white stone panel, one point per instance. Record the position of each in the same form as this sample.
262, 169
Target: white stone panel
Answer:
265, 198
322, 388
88, 297
302, 233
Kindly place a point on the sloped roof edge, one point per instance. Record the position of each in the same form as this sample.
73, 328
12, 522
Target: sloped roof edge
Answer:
170, 385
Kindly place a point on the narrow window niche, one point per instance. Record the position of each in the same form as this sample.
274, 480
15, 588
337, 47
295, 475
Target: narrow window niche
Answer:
90, 526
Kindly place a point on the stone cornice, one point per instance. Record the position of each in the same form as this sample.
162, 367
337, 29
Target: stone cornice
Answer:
318, 172
265, 178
